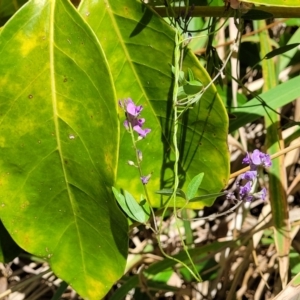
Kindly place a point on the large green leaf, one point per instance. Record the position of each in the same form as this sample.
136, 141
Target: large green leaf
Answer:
139, 47
8, 8
58, 146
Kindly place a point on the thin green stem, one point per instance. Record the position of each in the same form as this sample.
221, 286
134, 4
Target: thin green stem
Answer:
139, 166
175, 125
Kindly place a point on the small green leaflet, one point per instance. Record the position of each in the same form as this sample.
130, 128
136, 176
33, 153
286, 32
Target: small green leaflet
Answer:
281, 50
194, 186
189, 87
192, 189
134, 210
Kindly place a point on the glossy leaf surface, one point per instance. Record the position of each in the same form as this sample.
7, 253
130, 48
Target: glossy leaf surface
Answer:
57, 108
140, 46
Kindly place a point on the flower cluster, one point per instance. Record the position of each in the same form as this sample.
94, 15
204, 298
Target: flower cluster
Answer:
254, 160
135, 123
133, 119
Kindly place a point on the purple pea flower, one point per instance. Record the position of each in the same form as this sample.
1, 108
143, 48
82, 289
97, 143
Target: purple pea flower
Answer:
132, 117
142, 132
257, 158
254, 159
249, 175
132, 109
145, 179
262, 194
245, 190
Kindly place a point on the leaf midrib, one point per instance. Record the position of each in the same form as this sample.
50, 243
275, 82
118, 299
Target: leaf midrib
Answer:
56, 125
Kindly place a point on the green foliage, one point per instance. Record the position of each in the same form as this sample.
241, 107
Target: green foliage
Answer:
139, 49
8, 8
62, 149
131, 207
281, 50
194, 186
56, 172
274, 98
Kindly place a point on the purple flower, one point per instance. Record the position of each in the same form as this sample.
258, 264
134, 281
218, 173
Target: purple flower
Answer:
132, 109
257, 158
142, 132
247, 196
262, 194
249, 175
140, 122
247, 159
145, 179
245, 190
132, 117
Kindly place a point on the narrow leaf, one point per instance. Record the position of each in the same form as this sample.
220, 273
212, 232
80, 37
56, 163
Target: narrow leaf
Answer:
285, 59
122, 202
145, 205
278, 96
277, 174
281, 50
194, 186
136, 210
